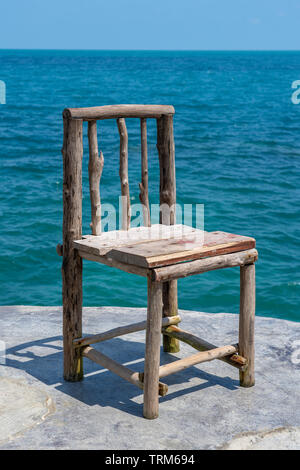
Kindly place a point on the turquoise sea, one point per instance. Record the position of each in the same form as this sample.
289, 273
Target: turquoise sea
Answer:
237, 152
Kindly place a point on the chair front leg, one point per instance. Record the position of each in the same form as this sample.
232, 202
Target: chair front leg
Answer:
246, 323
152, 354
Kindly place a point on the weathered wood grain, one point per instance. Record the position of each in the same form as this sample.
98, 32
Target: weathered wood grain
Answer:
144, 192
198, 343
170, 307
103, 244
59, 249
152, 353
122, 371
246, 323
124, 174
122, 330
128, 268
199, 266
152, 254
203, 356
167, 196
95, 171
159, 245
118, 111
72, 263
166, 153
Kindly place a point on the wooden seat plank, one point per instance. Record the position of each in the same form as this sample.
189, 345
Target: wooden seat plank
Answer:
161, 245
166, 252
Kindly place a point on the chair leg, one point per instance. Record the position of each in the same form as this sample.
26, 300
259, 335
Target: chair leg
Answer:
246, 325
72, 317
152, 354
170, 308
72, 263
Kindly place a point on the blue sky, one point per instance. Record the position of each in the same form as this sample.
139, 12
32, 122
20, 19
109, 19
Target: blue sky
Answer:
150, 24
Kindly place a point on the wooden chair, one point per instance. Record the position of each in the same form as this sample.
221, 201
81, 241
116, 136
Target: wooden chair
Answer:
161, 253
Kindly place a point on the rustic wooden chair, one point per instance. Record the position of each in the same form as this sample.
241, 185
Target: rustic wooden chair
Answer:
162, 255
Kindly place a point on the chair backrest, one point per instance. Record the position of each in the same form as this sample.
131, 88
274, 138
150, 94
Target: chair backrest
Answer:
72, 156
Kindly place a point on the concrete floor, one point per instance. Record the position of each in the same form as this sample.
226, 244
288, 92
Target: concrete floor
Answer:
204, 409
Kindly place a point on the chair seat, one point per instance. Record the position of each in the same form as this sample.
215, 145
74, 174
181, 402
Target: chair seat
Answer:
161, 245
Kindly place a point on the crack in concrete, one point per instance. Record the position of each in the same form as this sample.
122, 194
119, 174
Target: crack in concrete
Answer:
284, 437
24, 401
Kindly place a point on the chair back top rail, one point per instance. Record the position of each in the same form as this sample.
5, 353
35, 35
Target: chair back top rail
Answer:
119, 111
73, 118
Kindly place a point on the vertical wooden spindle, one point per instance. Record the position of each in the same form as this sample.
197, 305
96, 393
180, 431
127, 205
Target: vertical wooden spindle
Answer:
166, 152
144, 192
124, 174
152, 353
246, 324
72, 263
95, 171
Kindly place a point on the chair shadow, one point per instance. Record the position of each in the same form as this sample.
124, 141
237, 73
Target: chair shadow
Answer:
100, 386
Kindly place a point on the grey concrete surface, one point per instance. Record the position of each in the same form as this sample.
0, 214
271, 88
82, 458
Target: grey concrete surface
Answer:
204, 409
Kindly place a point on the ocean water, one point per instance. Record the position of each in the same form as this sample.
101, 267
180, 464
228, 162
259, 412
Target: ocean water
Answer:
237, 152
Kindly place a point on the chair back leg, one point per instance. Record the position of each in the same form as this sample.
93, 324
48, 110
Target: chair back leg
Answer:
72, 263
170, 308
